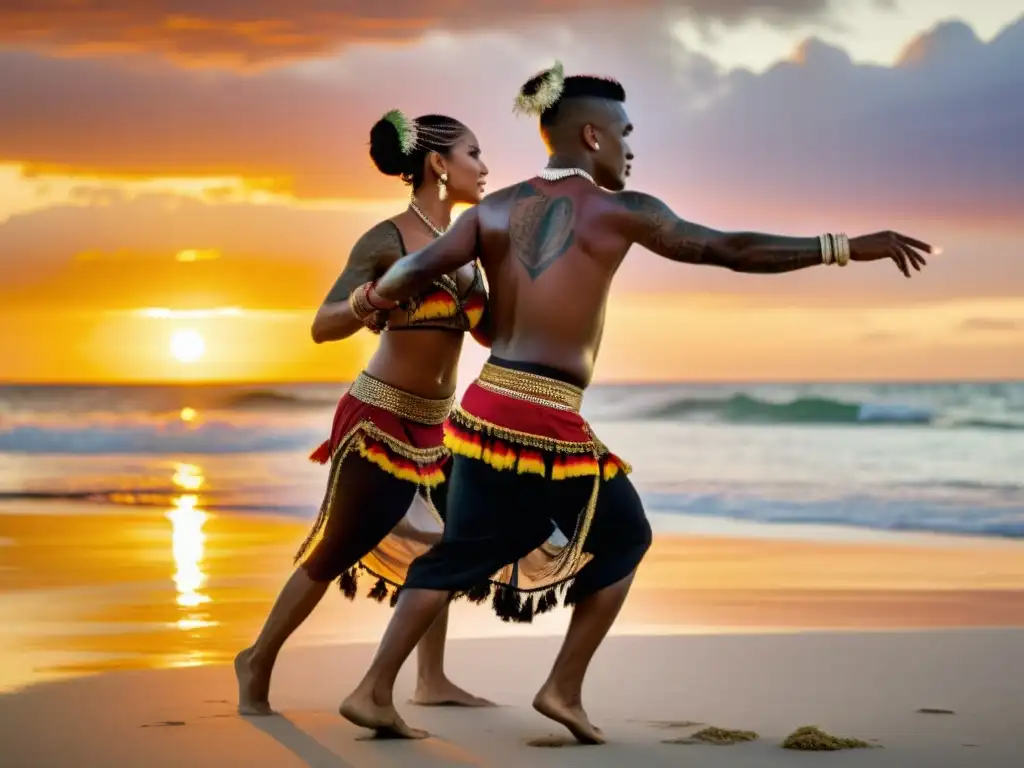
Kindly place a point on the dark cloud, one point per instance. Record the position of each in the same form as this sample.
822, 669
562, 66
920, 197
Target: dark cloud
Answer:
260, 31
816, 143
936, 134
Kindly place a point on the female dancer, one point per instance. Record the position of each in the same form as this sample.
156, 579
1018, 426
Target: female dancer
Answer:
387, 441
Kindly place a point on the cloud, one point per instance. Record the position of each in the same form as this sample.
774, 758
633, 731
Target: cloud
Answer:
815, 143
992, 324
936, 134
164, 250
263, 31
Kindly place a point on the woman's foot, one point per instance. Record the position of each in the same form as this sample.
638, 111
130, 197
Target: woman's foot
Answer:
445, 693
253, 686
362, 709
568, 713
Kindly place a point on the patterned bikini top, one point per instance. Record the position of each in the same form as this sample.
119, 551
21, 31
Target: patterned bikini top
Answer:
442, 306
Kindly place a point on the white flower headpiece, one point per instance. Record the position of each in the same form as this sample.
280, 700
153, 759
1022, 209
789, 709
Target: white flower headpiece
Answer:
546, 94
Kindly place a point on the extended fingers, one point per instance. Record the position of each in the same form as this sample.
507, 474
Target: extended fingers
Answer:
920, 245
916, 259
897, 254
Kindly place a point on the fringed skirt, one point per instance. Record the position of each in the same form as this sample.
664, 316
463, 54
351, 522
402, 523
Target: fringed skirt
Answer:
527, 431
379, 427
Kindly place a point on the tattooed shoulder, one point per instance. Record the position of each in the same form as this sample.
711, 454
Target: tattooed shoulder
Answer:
370, 258
656, 227
541, 228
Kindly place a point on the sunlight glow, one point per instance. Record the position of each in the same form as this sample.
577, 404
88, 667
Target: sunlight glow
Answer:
189, 314
187, 546
194, 254
188, 415
188, 543
187, 346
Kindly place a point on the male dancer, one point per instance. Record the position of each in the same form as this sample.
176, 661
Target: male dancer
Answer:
550, 247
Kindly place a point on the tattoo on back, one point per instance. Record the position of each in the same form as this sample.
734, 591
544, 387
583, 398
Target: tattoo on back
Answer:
540, 228
371, 256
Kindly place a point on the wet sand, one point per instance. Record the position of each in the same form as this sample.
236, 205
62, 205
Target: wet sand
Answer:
732, 631
130, 588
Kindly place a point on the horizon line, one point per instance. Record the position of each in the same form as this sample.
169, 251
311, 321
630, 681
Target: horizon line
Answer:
606, 383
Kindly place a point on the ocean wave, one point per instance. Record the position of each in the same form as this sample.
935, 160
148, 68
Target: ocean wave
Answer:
747, 409
918, 515
155, 438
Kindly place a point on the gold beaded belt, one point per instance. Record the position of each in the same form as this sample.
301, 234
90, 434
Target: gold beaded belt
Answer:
403, 404
531, 387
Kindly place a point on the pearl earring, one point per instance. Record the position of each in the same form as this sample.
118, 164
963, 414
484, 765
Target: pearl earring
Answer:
597, 146
442, 186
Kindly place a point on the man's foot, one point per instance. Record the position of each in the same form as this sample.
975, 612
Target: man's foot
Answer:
446, 694
550, 704
361, 709
253, 687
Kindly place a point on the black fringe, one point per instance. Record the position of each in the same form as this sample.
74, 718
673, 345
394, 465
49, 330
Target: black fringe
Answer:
479, 593
512, 606
379, 591
349, 583
509, 605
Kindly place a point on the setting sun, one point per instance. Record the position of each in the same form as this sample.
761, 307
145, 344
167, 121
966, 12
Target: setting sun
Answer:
187, 346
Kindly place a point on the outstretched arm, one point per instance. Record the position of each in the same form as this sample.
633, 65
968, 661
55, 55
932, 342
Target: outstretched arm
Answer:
417, 271
372, 254
653, 225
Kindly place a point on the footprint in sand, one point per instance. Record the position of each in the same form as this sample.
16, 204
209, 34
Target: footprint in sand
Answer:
670, 724
552, 742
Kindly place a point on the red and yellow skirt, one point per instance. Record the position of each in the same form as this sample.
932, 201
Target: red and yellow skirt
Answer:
403, 435
531, 424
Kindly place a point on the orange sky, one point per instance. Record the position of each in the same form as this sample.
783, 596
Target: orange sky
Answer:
216, 169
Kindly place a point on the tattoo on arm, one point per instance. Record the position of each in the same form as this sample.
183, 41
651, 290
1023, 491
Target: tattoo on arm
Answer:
372, 254
413, 273
661, 231
540, 228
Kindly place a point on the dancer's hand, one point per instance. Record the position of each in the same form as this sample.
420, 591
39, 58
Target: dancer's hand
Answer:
890, 245
377, 321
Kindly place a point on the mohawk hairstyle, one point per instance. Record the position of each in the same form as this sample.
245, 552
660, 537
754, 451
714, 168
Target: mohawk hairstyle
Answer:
544, 93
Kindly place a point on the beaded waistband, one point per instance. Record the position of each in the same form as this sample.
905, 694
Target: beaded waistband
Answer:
399, 402
531, 387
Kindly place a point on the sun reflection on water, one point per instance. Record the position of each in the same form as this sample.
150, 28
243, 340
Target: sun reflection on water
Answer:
188, 548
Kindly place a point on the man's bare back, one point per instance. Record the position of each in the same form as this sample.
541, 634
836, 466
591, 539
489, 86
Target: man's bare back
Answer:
550, 250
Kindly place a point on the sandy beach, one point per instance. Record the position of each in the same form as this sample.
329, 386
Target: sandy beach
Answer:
643, 691
123, 640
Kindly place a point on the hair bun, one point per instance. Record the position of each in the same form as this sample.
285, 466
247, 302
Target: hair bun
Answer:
541, 92
392, 139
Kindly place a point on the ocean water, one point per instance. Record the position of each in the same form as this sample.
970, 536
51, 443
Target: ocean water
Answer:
945, 458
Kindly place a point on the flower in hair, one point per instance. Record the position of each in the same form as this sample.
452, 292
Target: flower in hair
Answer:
546, 89
407, 132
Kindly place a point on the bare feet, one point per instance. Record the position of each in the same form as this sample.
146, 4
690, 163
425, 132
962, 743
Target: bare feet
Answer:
446, 694
570, 714
362, 709
253, 687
